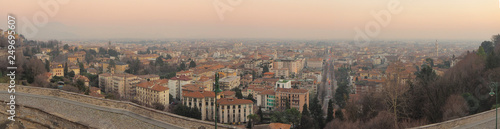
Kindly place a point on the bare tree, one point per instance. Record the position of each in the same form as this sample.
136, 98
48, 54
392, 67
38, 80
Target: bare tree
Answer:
455, 107
41, 81
394, 93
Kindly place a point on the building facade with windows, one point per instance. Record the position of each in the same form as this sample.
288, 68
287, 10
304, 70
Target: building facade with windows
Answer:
149, 92
234, 111
296, 97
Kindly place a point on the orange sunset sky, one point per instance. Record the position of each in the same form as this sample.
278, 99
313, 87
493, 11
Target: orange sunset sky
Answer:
289, 19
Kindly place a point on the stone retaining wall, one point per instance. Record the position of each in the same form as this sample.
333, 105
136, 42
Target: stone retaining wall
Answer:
165, 117
460, 121
35, 118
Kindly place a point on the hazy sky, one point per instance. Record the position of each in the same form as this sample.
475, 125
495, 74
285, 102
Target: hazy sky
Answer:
307, 19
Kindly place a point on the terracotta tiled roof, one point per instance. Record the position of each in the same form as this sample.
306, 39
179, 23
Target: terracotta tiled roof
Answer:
208, 94
279, 126
157, 85
268, 73
199, 94
268, 92
193, 87
233, 101
291, 90
228, 93
193, 95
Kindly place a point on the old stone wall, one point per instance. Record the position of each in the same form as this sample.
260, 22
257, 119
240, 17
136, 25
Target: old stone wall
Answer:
460, 121
54, 101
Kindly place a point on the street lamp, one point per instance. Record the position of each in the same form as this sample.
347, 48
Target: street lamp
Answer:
495, 84
216, 90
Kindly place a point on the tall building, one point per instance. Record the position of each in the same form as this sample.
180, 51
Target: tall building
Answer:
230, 82
149, 92
266, 99
175, 84
123, 84
295, 97
437, 47
294, 66
203, 100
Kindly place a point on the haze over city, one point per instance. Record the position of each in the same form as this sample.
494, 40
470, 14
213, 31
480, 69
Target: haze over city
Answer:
249, 64
299, 19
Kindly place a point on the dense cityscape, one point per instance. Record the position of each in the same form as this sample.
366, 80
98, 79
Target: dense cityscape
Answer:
249, 65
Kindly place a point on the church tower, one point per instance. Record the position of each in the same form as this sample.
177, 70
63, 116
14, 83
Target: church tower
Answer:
437, 47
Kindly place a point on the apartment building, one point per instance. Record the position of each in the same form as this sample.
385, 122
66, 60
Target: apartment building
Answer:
316, 63
57, 69
230, 82
266, 99
233, 110
296, 97
149, 92
123, 84
204, 100
294, 66
175, 84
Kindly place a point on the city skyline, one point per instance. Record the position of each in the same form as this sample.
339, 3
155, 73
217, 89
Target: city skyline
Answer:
469, 20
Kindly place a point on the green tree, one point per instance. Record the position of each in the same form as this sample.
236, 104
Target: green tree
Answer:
492, 60
47, 65
254, 75
253, 118
260, 113
71, 74
487, 46
339, 115
289, 116
305, 110
430, 62
316, 113
196, 112
170, 98
87, 91
192, 64
341, 93
481, 52
102, 51
80, 85
265, 69
250, 97
496, 39
183, 66
238, 95
111, 65
293, 116
66, 47
66, 69
159, 61
113, 52
329, 115
306, 122
82, 69
287, 103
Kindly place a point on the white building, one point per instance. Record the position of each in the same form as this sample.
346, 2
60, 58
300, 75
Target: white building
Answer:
283, 84
175, 85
